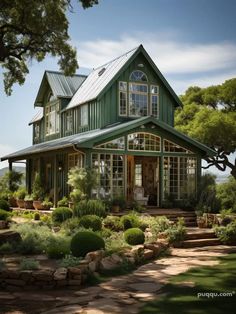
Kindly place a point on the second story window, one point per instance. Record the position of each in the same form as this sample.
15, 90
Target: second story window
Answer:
84, 115
36, 131
52, 119
154, 91
138, 99
69, 121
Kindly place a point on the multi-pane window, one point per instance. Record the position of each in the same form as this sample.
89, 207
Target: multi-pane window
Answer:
144, 141
172, 147
154, 91
179, 177
36, 131
84, 115
138, 174
118, 143
52, 118
75, 160
123, 98
138, 99
69, 121
138, 75
111, 174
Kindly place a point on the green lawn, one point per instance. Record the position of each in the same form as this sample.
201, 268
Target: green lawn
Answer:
184, 300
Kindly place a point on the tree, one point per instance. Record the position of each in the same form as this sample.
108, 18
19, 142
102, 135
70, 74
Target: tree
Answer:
211, 119
32, 29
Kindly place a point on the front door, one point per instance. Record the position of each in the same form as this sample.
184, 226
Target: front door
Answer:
143, 171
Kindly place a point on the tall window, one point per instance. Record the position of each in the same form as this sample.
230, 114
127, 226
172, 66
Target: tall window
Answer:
154, 91
138, 174
84, 115
75, 160
69, 121
138, 99
52, 118
36, 131
123, 98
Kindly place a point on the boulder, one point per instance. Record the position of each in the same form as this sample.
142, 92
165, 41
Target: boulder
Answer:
60, 274
147, 254
137, 250
10, 237
107, 263
154, 247
94, 256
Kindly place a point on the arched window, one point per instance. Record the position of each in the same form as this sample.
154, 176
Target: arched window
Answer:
138, 75
144, 141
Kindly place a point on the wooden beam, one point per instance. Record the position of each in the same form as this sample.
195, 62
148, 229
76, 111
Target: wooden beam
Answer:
55, 196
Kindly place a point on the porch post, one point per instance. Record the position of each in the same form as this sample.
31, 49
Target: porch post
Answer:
10, 169
55, 196
28, 175
161, 181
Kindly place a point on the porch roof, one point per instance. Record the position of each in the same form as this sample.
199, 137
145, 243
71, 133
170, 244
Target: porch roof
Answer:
88, 139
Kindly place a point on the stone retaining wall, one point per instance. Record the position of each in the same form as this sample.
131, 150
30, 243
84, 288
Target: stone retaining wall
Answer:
76, 276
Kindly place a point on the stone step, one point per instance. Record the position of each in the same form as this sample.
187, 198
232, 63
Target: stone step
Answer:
200, 243
191, 224
200, 235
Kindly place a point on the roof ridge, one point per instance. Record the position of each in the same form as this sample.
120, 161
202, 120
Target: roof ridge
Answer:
105, 64
58, 72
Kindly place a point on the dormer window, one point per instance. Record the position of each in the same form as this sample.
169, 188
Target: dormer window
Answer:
52, 118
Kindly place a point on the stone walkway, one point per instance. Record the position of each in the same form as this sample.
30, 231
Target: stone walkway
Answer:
124, 294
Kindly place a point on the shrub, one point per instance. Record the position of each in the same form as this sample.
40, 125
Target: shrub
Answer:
71, 225
84, 242
130, 221
70, 261
57, 247
29, 264
64, 202
176, 233
36, 216
226, 221
119, 201
227, 234
6, 248
226, 192
37, 191
105, 233
91, 222
115, 242
61, 214
4, 205
4, 215
134, 236
113, 223
91, 207
21, 193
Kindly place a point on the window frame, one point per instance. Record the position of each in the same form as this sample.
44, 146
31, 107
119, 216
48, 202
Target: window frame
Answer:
137, 93
126, 98
49, 117
158, 100
82, 123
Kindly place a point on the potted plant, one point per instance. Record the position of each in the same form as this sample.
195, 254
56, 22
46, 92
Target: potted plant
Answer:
38, 193
20, 196
118, 204
47, 204
28, 202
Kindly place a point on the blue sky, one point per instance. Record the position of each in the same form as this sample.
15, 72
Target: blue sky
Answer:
193, 42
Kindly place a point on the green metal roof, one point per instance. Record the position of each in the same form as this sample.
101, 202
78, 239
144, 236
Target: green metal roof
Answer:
88, 139
61, 85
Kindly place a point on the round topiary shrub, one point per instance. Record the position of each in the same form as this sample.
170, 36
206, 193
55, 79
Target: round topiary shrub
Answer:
4, 205
134, 236
91, 222
130, 221
61, 214
84, 242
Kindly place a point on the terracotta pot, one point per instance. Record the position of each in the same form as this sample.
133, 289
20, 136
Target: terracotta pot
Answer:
116, 208
20, 203
12, 201
29, 205
38, 205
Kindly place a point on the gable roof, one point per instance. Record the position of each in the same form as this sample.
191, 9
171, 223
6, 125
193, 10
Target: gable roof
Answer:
101, 78
61, 85
37, 117
88, 139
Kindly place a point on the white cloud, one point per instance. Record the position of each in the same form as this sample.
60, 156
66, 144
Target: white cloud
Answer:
170, 55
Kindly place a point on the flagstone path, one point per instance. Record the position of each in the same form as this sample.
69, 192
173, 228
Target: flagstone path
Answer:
124, 294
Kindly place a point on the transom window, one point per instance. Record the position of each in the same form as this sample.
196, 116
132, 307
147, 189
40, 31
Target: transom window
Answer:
138, 76
118, 143
172, 147
52, 118
144, 142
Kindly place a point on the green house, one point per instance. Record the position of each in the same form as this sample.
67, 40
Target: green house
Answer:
120, 120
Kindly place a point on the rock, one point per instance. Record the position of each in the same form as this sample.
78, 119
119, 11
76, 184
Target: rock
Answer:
94, 256
44, 274
137, 250
145, 287
107, 263
148, 235
117, 258
10, 237
60, 274
73, 282
3, 224
74, 272
15, 282
147, 254
154, 247
61, 283
26, 275
163, 243
93, 266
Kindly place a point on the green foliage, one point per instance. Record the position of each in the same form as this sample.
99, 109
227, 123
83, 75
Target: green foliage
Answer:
70, 261
91, 222
176, 233
71, 225
156, 225
36, 216
37, 191
4, 215
84, 242
21, 193
32, 30
135, 206
134, 236
64, 202
29, 264
28, 197
47, 203
226, 192
57, 246
119, 201
6, 248
131, 220
2, 265
91, 207
9, 183
227, 234
61, 214
83, 181
113, 223
4, 205
115, 242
